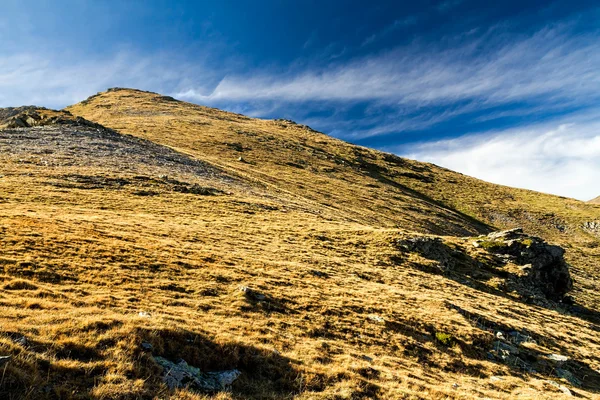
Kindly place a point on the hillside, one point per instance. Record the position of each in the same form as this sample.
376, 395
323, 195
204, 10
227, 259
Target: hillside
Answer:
138, 230
596, 200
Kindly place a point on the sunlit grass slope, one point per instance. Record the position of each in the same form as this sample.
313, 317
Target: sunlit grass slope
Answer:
146, 234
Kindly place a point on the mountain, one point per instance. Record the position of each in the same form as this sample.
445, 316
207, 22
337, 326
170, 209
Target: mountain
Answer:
596, 200
138, 231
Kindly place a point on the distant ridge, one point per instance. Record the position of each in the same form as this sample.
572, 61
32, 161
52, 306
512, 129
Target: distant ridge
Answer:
595, 201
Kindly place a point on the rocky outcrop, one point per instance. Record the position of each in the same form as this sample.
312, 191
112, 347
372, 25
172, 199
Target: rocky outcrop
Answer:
544, 264
592, 227
181, 375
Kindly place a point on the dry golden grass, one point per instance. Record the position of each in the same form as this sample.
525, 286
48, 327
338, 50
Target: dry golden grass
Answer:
307, 221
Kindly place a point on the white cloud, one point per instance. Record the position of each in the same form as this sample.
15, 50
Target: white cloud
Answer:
494, 69
411, 88
57, 81
562, 158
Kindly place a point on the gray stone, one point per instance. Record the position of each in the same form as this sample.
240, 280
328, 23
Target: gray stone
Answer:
543, 264
558, 358
564, 374
252, 294
182, 375
147, 346
560, 387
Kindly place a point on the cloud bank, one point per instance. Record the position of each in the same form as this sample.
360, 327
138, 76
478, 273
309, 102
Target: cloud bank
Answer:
561, 158
479, 77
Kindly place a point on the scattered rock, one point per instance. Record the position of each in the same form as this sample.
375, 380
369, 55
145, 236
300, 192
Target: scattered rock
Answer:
543, 264
564, 374
376, 318
558, 358
147, 346
144, 314
367, 358
517, 337
560, 387
182, 375
319, 273
252, 294
592, 227
503, 350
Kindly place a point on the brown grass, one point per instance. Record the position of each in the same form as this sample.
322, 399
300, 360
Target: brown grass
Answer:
309, 223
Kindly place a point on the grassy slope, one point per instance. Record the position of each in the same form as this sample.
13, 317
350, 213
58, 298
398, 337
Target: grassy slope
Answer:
349, 182
314, 236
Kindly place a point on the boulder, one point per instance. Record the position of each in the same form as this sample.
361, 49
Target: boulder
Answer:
180, 375
546, 268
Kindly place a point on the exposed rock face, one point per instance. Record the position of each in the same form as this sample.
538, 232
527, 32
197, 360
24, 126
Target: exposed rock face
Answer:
592, 227
432, 248
544, 263
180, 375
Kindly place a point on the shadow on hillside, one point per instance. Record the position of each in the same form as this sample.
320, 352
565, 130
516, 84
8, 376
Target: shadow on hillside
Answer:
52, 370
264, 374
458, 218
530, 359
457, 265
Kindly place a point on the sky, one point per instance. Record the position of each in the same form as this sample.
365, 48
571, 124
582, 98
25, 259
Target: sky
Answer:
508, 91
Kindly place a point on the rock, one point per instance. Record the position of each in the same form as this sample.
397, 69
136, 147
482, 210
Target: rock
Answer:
4, 360
504, 351
592, 227
560, 387
564, 374
252, 294
558, 358
180, 375
376, 318
432, 248
147, 346
543, 264
517, 337
319, 273
144, 314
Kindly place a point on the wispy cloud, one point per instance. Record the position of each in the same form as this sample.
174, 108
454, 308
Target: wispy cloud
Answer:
562, 158
56, 81
546, 63
397, 24
551, 66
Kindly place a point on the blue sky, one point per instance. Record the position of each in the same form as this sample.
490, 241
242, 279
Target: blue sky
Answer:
507, 91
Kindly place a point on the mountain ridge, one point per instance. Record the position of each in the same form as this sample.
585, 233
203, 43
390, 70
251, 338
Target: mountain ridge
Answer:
139, 230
